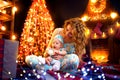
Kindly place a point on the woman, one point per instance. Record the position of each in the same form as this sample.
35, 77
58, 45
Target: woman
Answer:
73, 33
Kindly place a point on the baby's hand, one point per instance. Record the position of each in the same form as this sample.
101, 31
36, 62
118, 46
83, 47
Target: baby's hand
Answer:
56, 52
48, 60
50, 52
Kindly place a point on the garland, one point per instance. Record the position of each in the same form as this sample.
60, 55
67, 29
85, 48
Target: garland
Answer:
97, 7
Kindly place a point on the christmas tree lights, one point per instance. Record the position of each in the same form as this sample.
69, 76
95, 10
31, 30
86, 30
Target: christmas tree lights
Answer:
37, 30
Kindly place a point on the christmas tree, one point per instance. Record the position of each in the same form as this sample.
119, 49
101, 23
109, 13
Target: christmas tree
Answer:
37, 30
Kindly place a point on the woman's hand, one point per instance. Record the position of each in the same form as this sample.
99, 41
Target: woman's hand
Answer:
48, 60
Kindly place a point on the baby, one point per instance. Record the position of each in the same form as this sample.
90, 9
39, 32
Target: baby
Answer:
56, 48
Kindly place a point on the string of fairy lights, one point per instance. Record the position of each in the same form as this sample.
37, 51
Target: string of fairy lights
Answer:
95, 12
37, 30
89, 72
3, 10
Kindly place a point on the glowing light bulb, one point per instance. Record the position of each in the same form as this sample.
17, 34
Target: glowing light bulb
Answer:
87, 32
29, 74
113, 15
4, 11
24, 71
6, 3
103, 35
99, 76
21, 74
97, 68
9, 72
16, 61
117, 24
85, 18
93, 1
26, 78
38, 76
89, 62
91, 79
95, 35
3, 28
13, 37
92, 66
14, 9
88, 69
111, 31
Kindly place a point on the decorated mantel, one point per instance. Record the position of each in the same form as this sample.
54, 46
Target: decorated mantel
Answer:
103, 22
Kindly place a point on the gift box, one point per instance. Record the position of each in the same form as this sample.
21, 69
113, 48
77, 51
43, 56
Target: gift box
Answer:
8, 56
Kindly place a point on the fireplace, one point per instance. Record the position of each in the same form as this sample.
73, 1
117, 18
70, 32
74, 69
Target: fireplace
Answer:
100, 55
100, 50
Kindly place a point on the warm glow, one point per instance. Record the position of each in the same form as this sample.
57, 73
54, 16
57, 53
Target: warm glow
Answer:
95, 36
111, 31
4, 11
30, 39
100, 55
117, 24
93, 1
85, 18
14, 9
13, 37
6, 3
3, 28
87, 32
103, 35
113, 15
37, 31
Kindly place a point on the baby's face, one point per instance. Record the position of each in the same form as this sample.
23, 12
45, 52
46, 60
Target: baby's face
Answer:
56, 44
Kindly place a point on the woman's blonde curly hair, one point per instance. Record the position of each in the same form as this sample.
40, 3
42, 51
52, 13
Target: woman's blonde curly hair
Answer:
80, 37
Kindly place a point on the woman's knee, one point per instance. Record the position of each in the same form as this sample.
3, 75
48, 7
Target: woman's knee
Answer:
75, 60
73, 57
70, 60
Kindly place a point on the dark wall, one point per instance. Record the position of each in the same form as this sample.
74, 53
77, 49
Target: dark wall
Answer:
116, 5
61, 10
114, 46
20, 16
